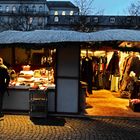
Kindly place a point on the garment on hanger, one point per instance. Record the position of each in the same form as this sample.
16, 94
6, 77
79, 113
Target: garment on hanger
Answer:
113, 66
114, 71
87, 72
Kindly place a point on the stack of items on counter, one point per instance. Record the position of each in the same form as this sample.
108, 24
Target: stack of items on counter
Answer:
39, 78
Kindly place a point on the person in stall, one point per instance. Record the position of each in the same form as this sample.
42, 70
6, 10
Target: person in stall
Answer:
4, 82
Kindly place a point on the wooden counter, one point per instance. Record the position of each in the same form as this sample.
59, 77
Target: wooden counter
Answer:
18, 98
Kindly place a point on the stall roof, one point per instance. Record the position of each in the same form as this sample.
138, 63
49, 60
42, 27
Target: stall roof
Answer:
54, 36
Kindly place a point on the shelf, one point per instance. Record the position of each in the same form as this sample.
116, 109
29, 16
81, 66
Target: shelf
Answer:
38, 103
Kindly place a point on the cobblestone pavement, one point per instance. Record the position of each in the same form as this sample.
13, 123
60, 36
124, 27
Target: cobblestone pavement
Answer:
21, 127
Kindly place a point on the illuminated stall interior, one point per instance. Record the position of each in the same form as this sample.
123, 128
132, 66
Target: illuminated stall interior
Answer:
34, 67
102, 71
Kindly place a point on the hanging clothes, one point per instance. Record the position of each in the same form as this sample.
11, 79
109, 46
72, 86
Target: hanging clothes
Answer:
87, 72
113, 66
135, 66
113, 69
126, 71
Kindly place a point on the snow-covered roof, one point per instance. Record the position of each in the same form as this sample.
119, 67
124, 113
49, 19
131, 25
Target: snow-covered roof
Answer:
54, 36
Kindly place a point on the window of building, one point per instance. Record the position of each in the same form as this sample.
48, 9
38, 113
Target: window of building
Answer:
40, 21
34, 9
0, 8
1, 19
56, 19
112, 20
30, 20
88, 19
71, 20
6, 19
96, 20
14, 9
7, 8
45, 20
9, 20
128, 20
25, 9
63, 13
40, 9
56, 13
71, 13
20, 9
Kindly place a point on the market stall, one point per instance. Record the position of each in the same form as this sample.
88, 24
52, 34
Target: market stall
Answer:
66, 98
17, 97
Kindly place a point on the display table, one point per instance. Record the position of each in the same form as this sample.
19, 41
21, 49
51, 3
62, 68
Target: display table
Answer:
18, 98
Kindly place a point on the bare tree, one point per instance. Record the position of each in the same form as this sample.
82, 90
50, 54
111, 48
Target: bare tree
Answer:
134, 9
86, 7
15, 22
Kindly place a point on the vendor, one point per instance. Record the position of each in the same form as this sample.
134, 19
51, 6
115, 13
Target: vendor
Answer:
12, 73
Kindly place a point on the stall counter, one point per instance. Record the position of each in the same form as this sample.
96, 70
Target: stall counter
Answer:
17, 98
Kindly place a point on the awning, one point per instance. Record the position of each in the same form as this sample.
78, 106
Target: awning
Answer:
54, 36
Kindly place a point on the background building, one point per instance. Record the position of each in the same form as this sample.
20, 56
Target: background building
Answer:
33, 14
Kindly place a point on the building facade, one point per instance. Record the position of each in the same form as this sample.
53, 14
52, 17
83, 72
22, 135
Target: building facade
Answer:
32, 14
27, 15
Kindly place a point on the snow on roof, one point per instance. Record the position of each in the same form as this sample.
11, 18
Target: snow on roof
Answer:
54, 36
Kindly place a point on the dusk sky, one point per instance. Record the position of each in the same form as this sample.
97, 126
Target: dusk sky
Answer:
113, 7
110, 7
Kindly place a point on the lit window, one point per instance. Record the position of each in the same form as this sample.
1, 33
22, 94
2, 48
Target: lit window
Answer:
63, 13
56, 19
14, 9
0, 8
71, 13
7, 8
112, 20
56, 13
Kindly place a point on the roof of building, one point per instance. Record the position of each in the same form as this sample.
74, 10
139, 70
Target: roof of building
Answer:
54, 36
60, 4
